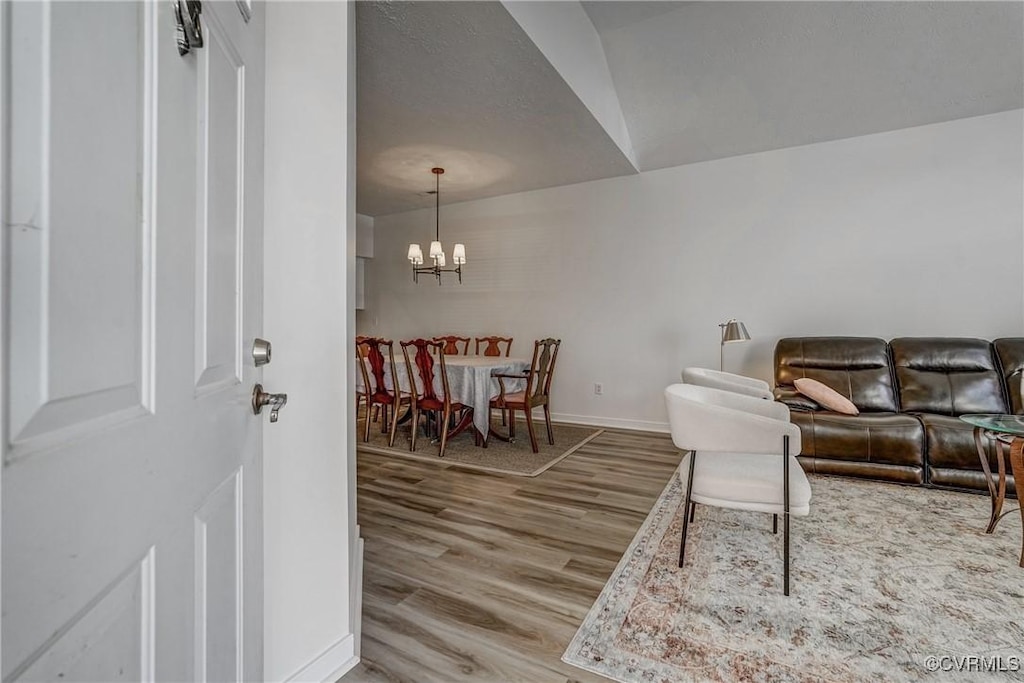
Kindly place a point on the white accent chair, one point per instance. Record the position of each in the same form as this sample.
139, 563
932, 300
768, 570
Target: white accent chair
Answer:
743, 456
727, 381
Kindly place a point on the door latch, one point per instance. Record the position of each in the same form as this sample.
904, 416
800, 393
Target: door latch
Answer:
261, 398
260, 352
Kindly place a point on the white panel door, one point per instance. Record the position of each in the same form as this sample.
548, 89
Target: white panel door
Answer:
132, 480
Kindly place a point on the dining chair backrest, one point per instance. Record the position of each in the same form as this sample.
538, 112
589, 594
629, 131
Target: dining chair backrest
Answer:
450, 343
370, 351
420, 368
493, 348
542, 367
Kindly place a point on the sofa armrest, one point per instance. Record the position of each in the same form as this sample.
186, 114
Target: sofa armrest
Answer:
795, 400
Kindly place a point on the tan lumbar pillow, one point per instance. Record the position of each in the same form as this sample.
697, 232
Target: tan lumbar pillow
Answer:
825, 395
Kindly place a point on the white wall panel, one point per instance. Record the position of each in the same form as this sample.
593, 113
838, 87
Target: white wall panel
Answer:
911, 232
80, 270
112, 634
310, 245
218, 583
219, 223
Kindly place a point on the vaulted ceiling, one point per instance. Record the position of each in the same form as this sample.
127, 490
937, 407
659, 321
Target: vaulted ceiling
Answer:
522, 95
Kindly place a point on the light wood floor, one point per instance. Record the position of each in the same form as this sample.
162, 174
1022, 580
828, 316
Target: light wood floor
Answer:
471, 576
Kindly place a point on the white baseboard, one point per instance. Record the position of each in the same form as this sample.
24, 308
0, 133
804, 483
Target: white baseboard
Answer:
618, 423
330, 665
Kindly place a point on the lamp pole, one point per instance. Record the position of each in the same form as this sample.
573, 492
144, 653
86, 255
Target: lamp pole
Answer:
721, 347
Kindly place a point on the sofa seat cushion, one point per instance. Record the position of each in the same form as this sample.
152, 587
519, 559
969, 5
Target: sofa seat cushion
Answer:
883, 438
951, 450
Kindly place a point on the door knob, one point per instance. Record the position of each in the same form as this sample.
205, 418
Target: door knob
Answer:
261, 398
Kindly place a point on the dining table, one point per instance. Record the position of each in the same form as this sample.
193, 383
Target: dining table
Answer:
471, 382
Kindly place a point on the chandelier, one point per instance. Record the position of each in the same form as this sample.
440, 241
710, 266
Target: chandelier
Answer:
436, 251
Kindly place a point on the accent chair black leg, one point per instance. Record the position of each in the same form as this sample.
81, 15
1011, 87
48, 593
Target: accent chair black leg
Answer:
785, 512
693, 510
775, 524
686, 506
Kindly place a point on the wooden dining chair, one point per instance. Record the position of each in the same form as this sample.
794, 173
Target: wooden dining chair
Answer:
451, 344
370, 357
360, 354
537, 392
420, 368
493, 347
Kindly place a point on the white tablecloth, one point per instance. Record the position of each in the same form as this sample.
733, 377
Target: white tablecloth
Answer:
469, 379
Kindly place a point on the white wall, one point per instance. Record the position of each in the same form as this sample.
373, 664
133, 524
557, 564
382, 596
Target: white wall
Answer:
312, 550
911, 232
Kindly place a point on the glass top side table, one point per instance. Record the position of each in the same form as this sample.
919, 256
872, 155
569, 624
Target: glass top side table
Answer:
1000, 430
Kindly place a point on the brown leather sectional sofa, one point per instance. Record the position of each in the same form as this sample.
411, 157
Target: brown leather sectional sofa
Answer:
910, 392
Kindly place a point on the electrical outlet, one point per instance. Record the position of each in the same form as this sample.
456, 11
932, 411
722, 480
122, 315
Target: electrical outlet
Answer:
598, 389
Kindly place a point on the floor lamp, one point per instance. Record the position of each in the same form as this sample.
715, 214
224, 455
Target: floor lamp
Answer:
732, 331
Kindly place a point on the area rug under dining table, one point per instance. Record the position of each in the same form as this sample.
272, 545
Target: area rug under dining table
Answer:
516, 458
890, 583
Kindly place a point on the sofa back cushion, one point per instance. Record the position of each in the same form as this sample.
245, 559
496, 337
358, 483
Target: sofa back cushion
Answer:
856, 367
1010, 351
947, 376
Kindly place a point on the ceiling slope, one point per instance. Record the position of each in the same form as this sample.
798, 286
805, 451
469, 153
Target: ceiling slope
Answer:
460, 85
565, 34
707, 80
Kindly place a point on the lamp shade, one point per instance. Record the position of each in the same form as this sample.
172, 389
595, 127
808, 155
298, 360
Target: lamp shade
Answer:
415, 254
459, 254
733, 331
435, 249
440, 260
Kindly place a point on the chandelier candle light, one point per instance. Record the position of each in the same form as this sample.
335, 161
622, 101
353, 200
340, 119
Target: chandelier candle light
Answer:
436, 251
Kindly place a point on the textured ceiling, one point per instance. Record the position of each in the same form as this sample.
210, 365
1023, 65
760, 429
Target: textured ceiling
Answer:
461, 85
706, 80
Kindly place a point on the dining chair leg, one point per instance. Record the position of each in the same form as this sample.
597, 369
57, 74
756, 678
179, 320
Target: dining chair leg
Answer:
529, 427
504, 418
484, 437
686, 506
359, 405
775, 524
366, 425
547, 420
415, 427
511, 424
693, 511
444, 430
394, 422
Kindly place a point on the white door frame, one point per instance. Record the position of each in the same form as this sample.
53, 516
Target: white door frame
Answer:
313, 553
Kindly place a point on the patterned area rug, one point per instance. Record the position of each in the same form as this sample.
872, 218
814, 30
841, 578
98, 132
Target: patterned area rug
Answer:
508, 458
889, 583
